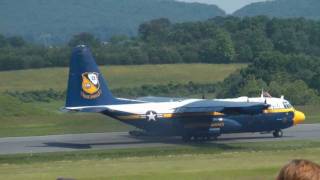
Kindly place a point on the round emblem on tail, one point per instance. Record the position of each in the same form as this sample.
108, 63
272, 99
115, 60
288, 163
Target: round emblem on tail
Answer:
90, 85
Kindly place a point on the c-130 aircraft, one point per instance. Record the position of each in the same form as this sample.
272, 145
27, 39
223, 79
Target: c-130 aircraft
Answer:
192, 119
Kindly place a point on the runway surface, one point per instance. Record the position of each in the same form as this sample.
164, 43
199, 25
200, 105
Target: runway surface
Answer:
117, 140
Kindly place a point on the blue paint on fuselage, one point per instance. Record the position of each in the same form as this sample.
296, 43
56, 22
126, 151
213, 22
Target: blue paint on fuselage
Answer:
177, 126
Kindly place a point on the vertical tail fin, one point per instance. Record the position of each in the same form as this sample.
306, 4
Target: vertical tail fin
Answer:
86, 85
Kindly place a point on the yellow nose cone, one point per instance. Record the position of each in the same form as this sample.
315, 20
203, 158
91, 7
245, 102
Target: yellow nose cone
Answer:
299, 117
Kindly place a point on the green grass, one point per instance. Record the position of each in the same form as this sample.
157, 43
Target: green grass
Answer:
32, 119
119, 76
197, 161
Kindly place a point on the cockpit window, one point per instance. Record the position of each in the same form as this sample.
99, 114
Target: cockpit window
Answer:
287, 105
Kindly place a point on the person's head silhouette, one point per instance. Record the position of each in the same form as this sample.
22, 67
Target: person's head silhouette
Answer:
300, 170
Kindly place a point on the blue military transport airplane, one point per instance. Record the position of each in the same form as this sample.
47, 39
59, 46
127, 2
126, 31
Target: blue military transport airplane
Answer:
192, 119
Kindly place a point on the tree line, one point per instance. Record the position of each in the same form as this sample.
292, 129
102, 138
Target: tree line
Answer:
217, 40
284, 55
296, 76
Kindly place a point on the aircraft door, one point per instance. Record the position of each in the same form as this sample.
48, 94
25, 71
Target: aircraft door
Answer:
216, 124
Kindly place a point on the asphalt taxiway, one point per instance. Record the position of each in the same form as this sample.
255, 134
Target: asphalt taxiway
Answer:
120, 140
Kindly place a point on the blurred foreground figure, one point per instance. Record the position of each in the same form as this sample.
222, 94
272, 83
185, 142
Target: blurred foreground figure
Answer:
300, 170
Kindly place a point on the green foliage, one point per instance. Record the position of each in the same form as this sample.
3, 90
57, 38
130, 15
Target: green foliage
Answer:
252, 87
119, 76
84, 38
218, 40
32, 56
54, 22
38, 96
219, 49
282, 8
171, 89
11, 106
297, 91
284, 54
155, 30
294, 76
16, 41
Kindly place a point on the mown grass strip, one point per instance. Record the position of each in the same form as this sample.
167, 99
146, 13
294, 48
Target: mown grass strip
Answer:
189, 149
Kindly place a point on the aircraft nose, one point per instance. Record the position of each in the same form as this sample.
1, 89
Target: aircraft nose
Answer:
299, 117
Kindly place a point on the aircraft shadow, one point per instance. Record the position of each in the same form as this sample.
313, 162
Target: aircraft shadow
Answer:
222, 142
258, 138
70, 145
85, 145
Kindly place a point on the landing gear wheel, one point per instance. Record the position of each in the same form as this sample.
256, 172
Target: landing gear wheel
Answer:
137, 133
186, 138
278, 133
214, 138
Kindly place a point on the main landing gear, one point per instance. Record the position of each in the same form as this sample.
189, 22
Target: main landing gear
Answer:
136, 133
195, 138
278, 133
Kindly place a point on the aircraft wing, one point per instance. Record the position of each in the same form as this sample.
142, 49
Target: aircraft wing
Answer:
223, 107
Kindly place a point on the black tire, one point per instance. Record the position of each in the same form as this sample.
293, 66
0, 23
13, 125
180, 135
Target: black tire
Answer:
197, 138
278, 133
214, 138
207, 138
135, 133
186, 138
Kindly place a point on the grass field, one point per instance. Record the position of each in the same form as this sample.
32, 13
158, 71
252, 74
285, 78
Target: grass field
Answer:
119, 76
216, 161
31, 119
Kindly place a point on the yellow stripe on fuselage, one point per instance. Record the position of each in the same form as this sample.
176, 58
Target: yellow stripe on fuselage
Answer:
129, 117
217, 114
282, 110
169, 115
172, 115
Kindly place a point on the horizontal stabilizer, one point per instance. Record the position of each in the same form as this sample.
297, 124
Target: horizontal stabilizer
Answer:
96, 109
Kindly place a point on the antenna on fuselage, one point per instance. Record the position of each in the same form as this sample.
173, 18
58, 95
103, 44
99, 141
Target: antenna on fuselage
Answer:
262, 96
